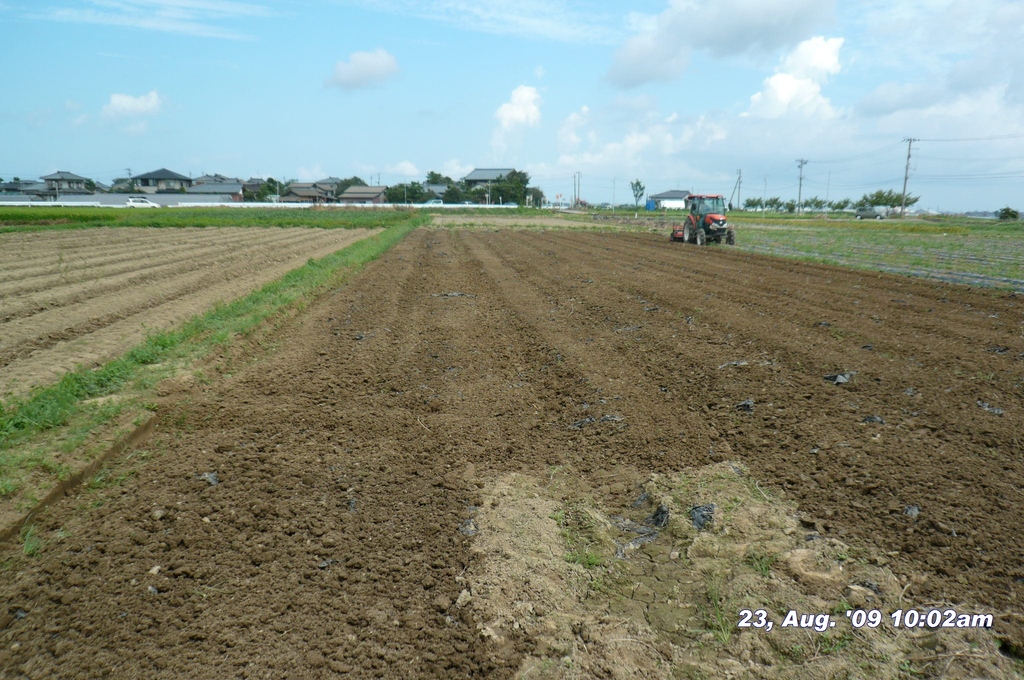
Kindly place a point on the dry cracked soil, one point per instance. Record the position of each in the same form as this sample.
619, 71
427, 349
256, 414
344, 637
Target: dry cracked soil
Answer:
313, 514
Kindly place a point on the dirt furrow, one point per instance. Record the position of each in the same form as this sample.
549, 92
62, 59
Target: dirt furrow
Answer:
94, 264
39, 348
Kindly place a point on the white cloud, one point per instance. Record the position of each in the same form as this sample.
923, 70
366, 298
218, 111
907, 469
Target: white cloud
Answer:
539, 72
454, 169
186, 17
891, 97
659, 49
364, 69
795, 88
561, 20
310, 173
404, 168
80, 120
568, 134
522, 110
136, 129
125, 105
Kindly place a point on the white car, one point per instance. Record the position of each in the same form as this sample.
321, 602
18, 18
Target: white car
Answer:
140, 202
434, 201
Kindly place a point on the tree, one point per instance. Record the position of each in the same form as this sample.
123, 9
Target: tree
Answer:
410, 192
346, 183
90, 185
841, 204
438, 178
536, 197
638, 192
1008, 213
790, 206
510, 188
887, 198
453, 194
814, 203
753, 204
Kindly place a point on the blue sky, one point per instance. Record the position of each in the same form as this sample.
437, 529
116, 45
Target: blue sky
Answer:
676, 93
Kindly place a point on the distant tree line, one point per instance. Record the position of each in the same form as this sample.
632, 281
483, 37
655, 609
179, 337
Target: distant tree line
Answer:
511, 188
882, 198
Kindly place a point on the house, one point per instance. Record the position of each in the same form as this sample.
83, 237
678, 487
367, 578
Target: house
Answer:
231, 189
484, 176
306, 192
162, 181
14, 186
437, 189
62, 182
675, 199
361, 194
329, 184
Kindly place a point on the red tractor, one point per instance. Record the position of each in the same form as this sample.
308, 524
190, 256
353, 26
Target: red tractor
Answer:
706, 222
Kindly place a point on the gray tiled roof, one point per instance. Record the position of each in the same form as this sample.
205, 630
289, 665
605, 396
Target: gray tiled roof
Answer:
63, 174
487, 174
162, 173
675, 194
215, 188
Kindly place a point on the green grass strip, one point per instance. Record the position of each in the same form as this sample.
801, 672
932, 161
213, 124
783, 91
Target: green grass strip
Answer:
49, 407
19, 219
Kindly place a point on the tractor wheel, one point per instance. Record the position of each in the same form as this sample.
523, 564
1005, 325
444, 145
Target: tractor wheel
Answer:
730, 237
702, 237
687, 234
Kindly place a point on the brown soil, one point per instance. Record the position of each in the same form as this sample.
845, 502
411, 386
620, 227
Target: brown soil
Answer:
85, 296
345, 533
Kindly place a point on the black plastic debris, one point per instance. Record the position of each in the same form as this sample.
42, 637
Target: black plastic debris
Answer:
910, 392
747, 405
911, 511
20, 614
868, 347
360, 336
991, 409
326, 563
997, 349
702, 515
621, 548
823, 324
874, 419
210, 478
351, 504
580, 424
469, 528
839, 378
611, 418
641, 500
659, 518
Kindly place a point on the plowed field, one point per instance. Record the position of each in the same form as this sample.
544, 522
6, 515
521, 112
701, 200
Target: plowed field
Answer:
349, 460
85, 296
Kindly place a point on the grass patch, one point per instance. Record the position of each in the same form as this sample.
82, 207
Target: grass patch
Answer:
31, 544
718, 615
65, 402
22, 219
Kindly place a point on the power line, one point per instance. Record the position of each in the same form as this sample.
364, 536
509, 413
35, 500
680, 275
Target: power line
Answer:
975, 139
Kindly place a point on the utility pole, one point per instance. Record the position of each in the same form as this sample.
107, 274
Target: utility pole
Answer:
801, 162
613, 195
764, 196
739, 188
906, 175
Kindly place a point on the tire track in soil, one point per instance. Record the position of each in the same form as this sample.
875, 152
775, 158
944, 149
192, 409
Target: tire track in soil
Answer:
864, 476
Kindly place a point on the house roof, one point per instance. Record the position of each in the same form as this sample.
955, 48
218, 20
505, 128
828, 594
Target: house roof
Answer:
363, 192
487, 174
436, 188
162, 173
330, 180
63, 174
676, 194
215, 188
216, 177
